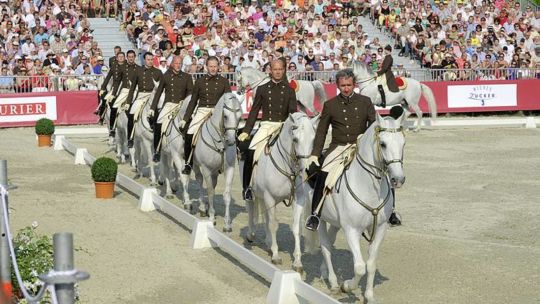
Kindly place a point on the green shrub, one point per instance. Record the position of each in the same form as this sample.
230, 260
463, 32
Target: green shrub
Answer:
104, 169
34, 257
44, 126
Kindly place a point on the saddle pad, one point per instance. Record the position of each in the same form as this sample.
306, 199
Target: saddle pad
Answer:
336, 162
196, 128
293, 84
266, 131
401, 82
122, 97
167, 114
138, 105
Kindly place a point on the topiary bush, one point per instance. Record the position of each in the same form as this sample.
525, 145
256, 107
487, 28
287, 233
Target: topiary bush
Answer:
44, 126
104, 169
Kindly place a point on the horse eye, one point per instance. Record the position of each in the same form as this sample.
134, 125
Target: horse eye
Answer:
383, 145
295, 127
295, 140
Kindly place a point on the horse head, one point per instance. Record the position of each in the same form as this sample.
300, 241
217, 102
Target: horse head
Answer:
302, 132
232, 113
361, 71
390, 141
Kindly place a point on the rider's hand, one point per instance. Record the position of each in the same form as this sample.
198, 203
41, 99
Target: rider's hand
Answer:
313, 160
243, 136
182, 124
126, 107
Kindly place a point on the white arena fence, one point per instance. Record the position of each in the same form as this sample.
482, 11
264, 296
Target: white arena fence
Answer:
57, 83
286, 286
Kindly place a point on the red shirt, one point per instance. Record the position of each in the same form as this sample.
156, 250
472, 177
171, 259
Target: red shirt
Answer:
199, 30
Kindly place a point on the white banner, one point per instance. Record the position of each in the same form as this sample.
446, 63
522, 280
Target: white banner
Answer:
27, 108
482, 95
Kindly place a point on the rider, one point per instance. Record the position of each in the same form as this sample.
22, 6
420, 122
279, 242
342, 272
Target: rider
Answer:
386, 69
116, 73
144, 82
350, 115
206, 93
277, 100
128, 75
177, 86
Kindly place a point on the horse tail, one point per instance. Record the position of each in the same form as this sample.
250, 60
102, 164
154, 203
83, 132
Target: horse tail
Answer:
430, 98
320, 91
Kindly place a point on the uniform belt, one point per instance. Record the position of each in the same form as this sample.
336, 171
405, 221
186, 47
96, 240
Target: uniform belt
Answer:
145, 91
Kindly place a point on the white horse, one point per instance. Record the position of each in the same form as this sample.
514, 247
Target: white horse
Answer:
172, 155
306, 89
364, 201
120, 139
143, 144
215, 151
278, 177
408, 98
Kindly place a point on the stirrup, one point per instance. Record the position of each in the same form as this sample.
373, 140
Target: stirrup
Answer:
248, 194
187, 169
313, 222
130, 143
156, 157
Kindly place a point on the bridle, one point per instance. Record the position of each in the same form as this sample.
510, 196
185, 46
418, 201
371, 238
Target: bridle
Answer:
291, 158
382, 172
254, 85
220, 130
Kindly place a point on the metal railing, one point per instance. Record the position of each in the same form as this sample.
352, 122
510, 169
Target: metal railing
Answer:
28, 84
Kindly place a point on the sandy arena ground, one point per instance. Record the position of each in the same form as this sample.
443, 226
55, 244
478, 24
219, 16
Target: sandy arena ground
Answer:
470, 233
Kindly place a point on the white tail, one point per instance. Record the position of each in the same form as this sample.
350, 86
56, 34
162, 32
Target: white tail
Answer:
430, 98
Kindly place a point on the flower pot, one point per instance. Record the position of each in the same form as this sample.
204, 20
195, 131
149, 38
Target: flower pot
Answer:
104, 189
44, 140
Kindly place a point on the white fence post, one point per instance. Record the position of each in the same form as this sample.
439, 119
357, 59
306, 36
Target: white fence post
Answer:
199, 235
146, 203
79, 156
58, 142
282, 290
530, 122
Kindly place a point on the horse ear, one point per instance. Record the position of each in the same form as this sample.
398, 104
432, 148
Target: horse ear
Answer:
315, 120
379, 119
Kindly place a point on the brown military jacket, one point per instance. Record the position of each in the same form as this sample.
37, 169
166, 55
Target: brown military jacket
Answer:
129, 74
116, 73
386, 69
277, 101
144, 80
176, 87
206, 93
349, 117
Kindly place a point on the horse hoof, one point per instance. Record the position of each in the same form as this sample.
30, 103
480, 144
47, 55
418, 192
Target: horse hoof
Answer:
169, 196
227, 230
277, 261
250, 238
137, 176
160, 183
345, 287
298, 269
154, 184
174, 190
134, 170
335, 291
203, 213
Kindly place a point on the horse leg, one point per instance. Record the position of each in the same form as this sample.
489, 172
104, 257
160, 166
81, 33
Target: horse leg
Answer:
272, 227
326, 248
252, 215
210, 190
229, 175
353, 239
298, 211
184, 179
372, 257
419, 113
165, 167
148, 148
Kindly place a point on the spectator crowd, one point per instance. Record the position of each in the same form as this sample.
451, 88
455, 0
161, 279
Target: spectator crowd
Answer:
478, 39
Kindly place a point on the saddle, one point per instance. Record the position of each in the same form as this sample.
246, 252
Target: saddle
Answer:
337, 162
401, 82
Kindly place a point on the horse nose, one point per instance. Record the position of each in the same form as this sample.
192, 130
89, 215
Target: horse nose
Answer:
397, 182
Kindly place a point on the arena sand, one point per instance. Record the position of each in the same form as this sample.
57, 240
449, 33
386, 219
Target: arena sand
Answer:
470, 229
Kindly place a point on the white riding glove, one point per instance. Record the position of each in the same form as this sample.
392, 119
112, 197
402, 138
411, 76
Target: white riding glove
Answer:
243, 136
182, 124
313, 160
151, 113
126, 107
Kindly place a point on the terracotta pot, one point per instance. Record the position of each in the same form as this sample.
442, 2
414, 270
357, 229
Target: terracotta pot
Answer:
44, 140
104, 189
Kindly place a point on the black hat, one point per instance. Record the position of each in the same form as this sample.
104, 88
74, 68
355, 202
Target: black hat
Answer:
388, 47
